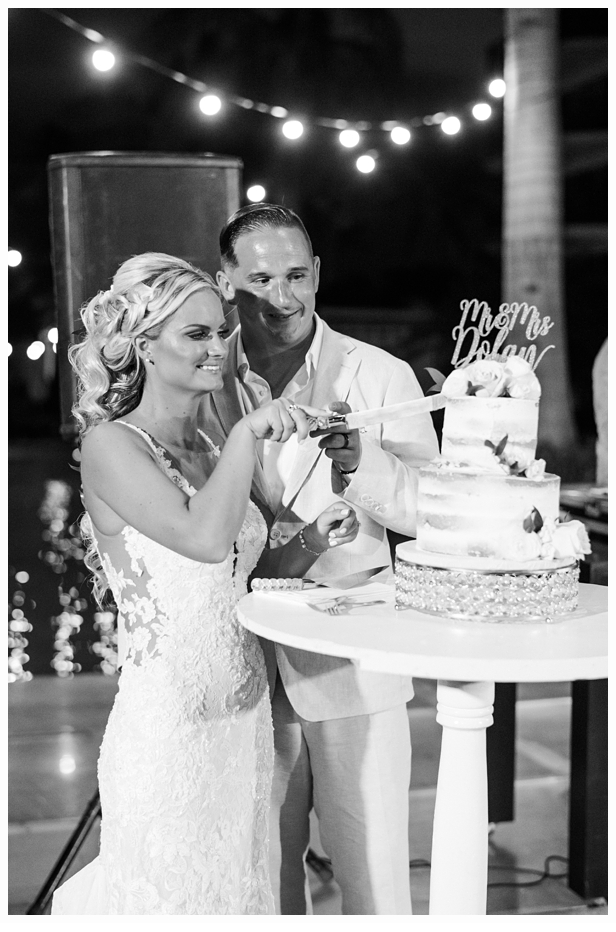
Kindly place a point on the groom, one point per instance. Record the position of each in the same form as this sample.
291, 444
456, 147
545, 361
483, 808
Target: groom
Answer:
341, 736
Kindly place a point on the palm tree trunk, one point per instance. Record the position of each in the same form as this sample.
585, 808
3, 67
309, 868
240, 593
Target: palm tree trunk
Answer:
533, 211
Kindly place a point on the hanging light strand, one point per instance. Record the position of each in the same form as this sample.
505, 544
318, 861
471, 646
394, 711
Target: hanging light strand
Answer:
277, 111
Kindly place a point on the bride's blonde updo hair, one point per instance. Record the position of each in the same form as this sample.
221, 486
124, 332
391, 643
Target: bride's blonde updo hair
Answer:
145, 292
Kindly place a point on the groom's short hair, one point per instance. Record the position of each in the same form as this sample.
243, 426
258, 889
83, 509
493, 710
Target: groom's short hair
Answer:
255, 217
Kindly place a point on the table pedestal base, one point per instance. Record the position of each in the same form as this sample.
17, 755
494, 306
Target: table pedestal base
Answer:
458, 878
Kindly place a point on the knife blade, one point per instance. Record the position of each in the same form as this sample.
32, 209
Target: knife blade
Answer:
357, 419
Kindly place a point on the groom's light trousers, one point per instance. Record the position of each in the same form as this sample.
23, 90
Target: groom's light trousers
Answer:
355, 772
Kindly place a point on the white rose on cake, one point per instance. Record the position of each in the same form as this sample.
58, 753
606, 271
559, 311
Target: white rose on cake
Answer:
526, 387
570, 540
487, 378
515, 366
535, 469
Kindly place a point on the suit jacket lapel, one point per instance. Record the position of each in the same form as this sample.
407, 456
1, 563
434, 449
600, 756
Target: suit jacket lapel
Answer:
337, 366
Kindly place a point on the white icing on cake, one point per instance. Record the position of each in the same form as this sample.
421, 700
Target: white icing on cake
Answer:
463, 511
470, 421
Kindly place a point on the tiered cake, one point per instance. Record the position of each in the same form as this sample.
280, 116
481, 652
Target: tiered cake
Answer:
489, 541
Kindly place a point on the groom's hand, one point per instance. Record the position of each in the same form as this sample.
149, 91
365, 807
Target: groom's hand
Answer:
343, 446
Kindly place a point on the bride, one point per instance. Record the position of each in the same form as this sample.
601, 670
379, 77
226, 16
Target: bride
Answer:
186, 761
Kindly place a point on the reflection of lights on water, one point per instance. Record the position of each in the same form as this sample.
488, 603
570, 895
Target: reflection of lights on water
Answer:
105, 623
64, 544
18, 627
67, 764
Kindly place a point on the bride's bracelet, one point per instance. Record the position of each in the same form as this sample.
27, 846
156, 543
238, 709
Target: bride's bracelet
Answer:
264, 585
302, 540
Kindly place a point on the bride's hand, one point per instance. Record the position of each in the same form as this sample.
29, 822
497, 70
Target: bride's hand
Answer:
335, 526
277, 420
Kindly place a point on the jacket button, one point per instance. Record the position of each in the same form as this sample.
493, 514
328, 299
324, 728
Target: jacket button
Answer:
275, 534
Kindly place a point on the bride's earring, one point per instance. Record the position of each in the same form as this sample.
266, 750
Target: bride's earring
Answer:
150, 360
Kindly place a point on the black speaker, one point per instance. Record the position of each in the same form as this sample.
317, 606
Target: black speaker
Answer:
108, 206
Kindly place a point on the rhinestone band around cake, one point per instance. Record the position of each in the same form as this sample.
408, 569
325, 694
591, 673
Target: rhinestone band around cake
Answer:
485, 596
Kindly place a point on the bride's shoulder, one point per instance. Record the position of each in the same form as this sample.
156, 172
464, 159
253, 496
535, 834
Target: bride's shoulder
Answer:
111, 438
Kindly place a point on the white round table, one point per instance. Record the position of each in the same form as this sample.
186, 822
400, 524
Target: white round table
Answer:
466, 658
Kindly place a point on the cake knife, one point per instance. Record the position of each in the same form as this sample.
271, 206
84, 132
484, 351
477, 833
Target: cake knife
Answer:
357, 419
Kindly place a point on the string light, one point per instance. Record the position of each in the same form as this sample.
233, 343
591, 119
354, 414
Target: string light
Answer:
293, 129
256, 193
365, 164
349, 138
482, 111
52, 335
497, 87
210, 104
10, 349
103, 60
451, 125
400, 135
15, 258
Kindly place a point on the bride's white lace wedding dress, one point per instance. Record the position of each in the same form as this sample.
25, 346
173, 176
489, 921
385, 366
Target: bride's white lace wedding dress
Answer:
186, 761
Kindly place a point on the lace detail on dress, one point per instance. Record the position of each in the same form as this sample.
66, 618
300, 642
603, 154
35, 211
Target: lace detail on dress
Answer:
187, 758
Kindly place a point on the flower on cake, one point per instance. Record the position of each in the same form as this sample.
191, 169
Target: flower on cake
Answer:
535, 470
557, 539
503, 377
570, 539
501, 461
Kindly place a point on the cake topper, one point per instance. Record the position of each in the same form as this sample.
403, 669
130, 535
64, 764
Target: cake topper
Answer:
477, 323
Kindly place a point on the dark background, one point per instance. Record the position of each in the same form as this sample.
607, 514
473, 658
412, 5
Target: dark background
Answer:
399, 247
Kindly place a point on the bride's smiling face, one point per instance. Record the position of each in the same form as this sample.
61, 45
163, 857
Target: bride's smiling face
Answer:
191, 349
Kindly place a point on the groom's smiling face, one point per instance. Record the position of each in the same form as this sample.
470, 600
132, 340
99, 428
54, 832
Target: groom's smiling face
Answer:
274, 285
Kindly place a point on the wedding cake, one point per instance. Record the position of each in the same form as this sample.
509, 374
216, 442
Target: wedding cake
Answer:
490, 544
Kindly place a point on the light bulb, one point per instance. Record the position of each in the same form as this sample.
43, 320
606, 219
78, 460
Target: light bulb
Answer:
256, 193
210, 104
15, 257
400, 135
497, 87
349, 138
292, 129
103, 60
482, 111
365, 164
451, 125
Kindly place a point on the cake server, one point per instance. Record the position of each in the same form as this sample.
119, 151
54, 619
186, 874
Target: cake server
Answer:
357, 419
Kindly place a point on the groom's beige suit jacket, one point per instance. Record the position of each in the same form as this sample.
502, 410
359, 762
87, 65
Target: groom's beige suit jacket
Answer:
383, 491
